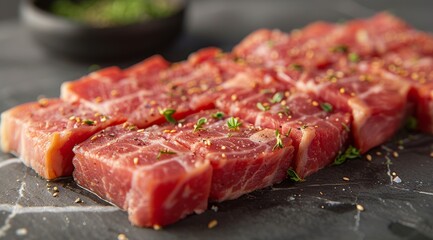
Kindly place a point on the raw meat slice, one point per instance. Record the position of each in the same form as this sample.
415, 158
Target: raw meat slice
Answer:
378, 104
243, 159
113, 83
416, 70
163, 173
43, 133
318, 135
186, 87
322, 44
158, 182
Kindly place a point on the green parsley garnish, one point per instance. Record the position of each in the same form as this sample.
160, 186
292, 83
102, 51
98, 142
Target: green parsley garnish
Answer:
168, 114
263, 107
304, 126
233, 123
218, 115
279, 143
327, 107
297, 67
354, 57
285, 110
89, 122
345, 127
294, 176
165, 151
340, 49
350, 153
265, 91
270, 43
277, 97
411, 123
199, 125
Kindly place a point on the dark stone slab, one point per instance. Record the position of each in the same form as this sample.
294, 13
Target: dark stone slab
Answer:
323, 207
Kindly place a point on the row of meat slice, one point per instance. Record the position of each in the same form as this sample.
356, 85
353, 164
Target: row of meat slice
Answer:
373, 68
316, 95
110, 168
161, 174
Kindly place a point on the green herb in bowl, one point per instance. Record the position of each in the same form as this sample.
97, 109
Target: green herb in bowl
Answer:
108, 13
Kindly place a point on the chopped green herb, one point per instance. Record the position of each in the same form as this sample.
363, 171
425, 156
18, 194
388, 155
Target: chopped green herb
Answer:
294, 176
411, 123
340, 49
270, 43
107, 13
327, 107
277, 97
353, 57
168, 114
233, 123
288, 133
263, 107
297, 67
350, 153
164, 151
345, 127
199, 125
89, 122
218, 115
94, 67
285, 110
265, 91
304, 126
279, 143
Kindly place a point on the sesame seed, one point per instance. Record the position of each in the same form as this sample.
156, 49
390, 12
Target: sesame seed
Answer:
56, 189
223, 147
94, 137
369, 157
359, 207
157, 227
43, 102
234, 97
342, 90
346, 179
114, 93
56, 194
21, 231
380, 154
122, 237
78, 200
395, 154
140, 130
173, 131
315, 103
431, 154
135, 160
212, 224
98, 99
223, 155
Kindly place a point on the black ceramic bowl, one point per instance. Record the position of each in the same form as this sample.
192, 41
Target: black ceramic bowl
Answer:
80, 41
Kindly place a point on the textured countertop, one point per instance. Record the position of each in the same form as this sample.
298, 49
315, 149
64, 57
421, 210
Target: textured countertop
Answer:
323, 207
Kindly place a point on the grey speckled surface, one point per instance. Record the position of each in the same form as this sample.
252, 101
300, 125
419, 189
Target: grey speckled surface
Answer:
323, 207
